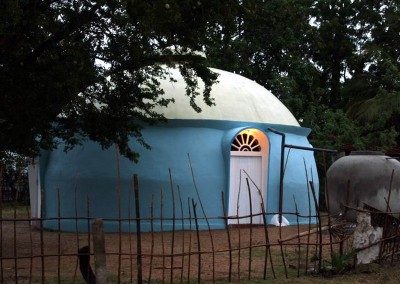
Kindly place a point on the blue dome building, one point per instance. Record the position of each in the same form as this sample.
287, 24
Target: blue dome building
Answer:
238, 138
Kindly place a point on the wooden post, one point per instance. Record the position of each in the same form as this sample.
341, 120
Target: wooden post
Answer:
99, 251
138, 231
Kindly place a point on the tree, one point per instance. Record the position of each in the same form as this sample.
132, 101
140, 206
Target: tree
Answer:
330, 62
13, 177
374, 89
74, 70
269, 44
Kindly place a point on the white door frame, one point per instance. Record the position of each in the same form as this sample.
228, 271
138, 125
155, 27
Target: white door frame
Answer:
232, 208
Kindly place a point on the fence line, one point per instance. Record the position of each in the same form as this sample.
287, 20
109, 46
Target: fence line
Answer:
31, 254
185, 253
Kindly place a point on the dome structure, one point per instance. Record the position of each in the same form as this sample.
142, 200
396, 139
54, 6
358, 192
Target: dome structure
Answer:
239, 137
236, 99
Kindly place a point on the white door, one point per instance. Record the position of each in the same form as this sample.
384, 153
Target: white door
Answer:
245, 165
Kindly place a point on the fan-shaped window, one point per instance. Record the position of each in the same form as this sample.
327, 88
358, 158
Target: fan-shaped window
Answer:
245, 142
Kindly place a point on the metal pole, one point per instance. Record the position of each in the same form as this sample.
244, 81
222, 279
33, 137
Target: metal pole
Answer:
281, 175
311, 148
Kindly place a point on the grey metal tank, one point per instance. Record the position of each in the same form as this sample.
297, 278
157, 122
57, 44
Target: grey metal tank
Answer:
367, 175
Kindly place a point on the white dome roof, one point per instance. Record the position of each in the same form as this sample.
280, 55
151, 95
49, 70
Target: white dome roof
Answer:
236, 99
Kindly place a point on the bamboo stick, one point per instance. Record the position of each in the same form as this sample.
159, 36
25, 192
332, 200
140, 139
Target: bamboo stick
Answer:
173, 228
198, 242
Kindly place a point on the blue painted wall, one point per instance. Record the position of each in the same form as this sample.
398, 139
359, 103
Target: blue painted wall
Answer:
88, 175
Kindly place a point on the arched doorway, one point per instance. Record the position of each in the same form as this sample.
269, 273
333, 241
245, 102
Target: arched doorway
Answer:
248, 174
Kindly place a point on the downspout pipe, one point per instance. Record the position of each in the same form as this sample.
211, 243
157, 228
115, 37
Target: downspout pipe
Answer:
281, 172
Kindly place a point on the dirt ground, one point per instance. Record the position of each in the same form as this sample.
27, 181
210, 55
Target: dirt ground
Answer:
165, 255
238, 254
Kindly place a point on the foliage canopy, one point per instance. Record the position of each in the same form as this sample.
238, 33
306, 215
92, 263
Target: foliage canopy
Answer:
335, 64
74, 70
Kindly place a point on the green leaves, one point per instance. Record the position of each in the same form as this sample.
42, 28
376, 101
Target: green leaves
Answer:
334, 64
77, 70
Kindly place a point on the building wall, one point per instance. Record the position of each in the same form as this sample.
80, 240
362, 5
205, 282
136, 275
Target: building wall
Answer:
88, 175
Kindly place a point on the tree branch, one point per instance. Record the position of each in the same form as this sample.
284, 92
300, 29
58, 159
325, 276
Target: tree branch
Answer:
82, 19
161, 59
